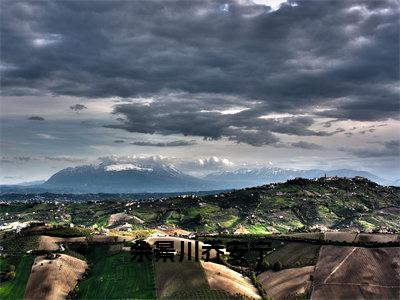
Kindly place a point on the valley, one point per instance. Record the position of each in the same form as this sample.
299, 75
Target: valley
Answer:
322, 233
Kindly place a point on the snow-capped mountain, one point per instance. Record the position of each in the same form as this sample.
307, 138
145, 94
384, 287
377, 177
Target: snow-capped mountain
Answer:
125, 178
157, 176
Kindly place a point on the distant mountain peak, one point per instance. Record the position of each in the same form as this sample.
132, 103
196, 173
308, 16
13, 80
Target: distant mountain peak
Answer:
155, 176
125, 167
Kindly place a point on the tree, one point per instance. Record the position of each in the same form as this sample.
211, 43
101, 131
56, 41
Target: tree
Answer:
264, 266
277, 266
10, 275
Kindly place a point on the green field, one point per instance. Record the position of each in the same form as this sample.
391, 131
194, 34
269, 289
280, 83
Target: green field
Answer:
116, 277
205, 294
20, 244
15, 288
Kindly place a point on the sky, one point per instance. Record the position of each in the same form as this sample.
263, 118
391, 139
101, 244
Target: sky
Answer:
207, 85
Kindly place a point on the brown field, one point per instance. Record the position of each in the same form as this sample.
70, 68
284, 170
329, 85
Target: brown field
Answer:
340, 236
309, 235
54, 278
109, 238
220, 277
379, 238
172, 276
391, 210
241, 230
175, 231
355, 273
287, 283
177, 244
117, 218
295, 255
50, 243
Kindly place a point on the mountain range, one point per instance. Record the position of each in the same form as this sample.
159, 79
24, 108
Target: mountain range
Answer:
111, 177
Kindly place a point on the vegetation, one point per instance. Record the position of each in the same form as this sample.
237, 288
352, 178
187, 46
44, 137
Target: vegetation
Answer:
19, 244
116, 277
297, 205
15, 288
68, 232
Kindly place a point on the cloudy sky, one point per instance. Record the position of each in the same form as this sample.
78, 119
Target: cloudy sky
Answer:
299, 84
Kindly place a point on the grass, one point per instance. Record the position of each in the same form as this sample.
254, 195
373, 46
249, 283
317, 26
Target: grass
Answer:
231, 220
68, 232
15, 288
205, 294
366, 225
20, 244
116, 277
257, 229
102, 221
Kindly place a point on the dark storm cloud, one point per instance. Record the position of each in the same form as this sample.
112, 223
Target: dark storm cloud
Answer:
340, 55
178, 143
22, 159
386, 149
36, 118
306, 145
78, 107
201, 116
349, 134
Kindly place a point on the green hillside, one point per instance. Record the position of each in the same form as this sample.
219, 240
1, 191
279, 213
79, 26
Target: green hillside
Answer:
297, 205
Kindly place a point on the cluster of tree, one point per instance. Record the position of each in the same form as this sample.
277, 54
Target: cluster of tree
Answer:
265, 266
8, 274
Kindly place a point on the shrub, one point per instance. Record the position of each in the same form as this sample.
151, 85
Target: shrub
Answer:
277, 266
264, 266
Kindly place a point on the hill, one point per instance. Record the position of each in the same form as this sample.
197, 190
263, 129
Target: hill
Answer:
330, 202
298, 204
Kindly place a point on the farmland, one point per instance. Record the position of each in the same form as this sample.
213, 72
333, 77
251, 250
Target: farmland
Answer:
171, 277
15, 288
54, 277
222, 278
318, 230
287, 283
297, 205
357, 272
116, 277
295, 255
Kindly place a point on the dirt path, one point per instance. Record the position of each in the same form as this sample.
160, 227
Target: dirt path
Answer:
340, 264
